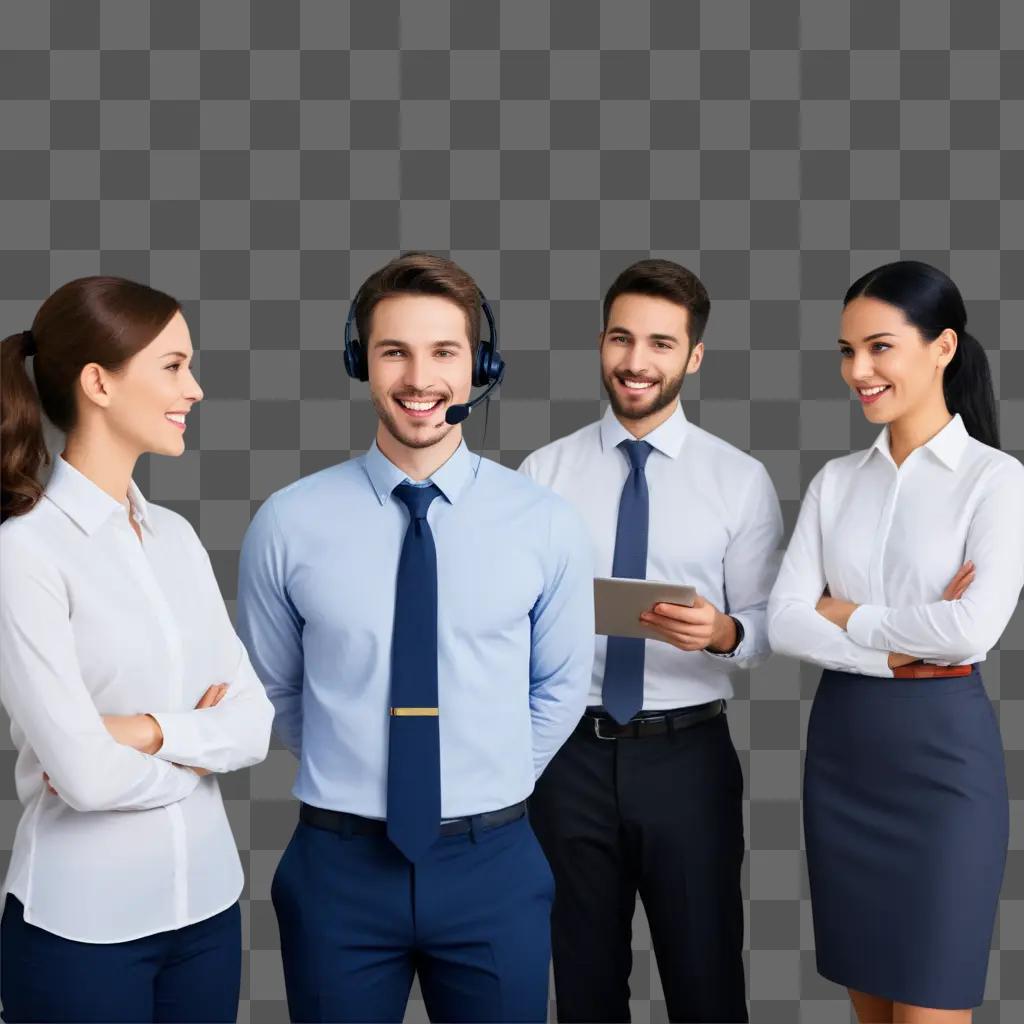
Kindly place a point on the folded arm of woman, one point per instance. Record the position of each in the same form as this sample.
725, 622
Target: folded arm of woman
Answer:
41, 687
232, 732
973, 623
795, 627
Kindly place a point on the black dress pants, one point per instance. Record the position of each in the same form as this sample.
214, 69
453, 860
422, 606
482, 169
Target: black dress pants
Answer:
662, 816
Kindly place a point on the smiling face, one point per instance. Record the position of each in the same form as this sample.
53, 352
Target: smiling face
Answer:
886, 361
420, 362
645, 356
146, 404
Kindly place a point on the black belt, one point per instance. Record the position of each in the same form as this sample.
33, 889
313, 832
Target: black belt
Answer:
356, 825
648, 723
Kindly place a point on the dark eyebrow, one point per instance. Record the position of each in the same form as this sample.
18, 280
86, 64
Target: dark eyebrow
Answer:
394, 343
870, 337
656, 337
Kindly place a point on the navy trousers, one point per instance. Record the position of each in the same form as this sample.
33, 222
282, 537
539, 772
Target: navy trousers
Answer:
472, 918
660, 816
189, 974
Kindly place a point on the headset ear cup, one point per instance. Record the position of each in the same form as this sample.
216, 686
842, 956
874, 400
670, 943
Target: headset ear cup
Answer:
364, 366
497, 364
355, 361
487, 366
481, 364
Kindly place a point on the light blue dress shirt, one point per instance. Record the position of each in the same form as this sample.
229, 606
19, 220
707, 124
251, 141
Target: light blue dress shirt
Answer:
316, 600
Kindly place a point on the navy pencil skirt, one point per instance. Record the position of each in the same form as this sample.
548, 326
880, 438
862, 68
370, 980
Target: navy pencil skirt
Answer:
906, 826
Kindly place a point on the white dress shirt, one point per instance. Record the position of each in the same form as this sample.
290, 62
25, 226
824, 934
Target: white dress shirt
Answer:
890, 539
94, 622
715, 524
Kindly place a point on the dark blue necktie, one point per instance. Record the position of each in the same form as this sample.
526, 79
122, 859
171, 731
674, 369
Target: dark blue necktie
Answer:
623, 691
414, 748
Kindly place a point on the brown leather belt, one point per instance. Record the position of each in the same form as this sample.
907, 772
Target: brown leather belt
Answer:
919, 670
602, 726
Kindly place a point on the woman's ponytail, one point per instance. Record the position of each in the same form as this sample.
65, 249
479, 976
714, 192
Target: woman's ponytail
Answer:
22, 446
967, 386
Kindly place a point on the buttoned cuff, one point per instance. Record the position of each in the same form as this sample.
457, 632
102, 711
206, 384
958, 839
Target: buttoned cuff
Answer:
180, 739
865, 626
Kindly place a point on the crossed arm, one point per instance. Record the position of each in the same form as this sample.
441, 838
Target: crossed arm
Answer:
143, 732
873, 639
839, 611
114, 762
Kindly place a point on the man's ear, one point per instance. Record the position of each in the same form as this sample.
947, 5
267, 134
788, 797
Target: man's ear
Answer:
696, 358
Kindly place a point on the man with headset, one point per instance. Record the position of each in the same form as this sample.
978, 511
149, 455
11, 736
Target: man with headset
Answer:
422, 620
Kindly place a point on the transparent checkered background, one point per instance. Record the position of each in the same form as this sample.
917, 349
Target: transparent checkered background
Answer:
257, 160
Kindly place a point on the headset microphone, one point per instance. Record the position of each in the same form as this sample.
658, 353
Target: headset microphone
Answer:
457, 413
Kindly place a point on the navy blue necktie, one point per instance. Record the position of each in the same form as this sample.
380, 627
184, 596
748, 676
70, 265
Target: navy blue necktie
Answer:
623, 690
414, 748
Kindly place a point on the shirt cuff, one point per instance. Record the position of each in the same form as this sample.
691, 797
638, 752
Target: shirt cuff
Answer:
179, 743
864, 626
737, 651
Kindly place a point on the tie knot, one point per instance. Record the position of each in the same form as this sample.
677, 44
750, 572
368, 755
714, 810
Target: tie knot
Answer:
417, 499
637, 452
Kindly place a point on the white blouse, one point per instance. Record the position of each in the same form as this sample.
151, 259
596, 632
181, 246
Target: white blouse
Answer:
93, 622
890, 539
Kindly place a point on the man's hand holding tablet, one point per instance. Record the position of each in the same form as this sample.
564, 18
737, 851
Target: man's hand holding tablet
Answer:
673, 613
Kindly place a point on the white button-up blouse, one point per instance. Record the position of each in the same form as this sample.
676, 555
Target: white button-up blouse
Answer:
890, 538
93, 622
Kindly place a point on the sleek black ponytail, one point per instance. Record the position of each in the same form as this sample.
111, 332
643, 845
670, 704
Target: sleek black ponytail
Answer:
932, 302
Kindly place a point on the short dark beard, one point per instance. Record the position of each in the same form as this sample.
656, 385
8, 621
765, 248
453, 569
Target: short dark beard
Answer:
668, 392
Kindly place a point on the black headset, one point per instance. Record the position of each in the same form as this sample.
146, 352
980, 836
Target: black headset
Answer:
488, 364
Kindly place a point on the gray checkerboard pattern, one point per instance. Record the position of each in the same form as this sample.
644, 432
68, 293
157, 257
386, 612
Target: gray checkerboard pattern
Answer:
258, 159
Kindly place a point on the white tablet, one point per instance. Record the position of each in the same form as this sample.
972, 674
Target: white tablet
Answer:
619, 603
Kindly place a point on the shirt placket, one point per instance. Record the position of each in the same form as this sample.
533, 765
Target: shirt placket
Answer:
143, 574
877, 583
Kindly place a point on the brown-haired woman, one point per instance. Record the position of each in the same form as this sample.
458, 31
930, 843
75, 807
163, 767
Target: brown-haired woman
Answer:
126, 684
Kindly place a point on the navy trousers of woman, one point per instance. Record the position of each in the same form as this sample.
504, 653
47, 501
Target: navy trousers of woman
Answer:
189, 974
906, 821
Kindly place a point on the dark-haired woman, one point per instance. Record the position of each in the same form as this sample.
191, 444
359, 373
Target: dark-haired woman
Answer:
126, 684
920, 540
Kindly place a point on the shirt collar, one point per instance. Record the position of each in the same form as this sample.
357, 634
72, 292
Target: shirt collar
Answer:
667, 438
450, 478
947, 445
86, 502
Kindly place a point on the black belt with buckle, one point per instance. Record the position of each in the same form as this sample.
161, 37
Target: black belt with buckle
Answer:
648, 723
356, 825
